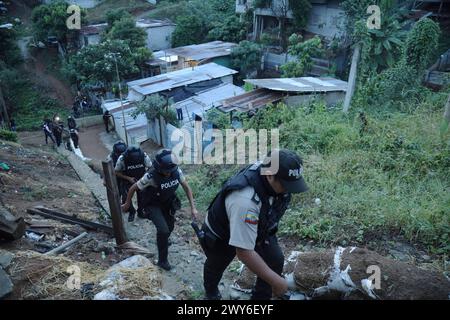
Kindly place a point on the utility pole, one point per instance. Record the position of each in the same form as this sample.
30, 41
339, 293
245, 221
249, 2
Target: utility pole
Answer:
352, 78
121, 100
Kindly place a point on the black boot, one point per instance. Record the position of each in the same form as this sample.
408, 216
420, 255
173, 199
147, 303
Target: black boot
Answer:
162, 242
131, 216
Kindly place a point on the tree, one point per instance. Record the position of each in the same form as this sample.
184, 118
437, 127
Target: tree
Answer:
246, 57
96, 63
189, 30
155, 106
114, 15
125, 29
231, 30
422, 43
10, 52
300, 10
304, 51
50, 20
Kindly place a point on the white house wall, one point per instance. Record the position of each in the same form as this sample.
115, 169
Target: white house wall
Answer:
159, 38
326, 21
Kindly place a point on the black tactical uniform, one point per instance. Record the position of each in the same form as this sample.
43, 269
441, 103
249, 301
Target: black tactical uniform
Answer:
58, 129
118, 149
159, 200
133, 163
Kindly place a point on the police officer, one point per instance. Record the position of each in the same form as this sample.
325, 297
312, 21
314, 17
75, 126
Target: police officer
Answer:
71, 123
58, 128
131, 166
118, 149
158, 187
242, 221
74, 136
48, 130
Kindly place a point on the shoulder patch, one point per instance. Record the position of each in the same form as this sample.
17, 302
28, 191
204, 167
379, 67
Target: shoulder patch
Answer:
251, 218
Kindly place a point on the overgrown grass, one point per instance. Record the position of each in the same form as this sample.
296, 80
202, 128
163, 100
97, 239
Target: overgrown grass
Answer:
167, 10
98, 13
32, 105
8, 135
385, 176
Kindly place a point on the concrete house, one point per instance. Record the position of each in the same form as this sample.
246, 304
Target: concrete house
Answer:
292, 91
159, 33
197, 54
325, 17
180, 79
91, 34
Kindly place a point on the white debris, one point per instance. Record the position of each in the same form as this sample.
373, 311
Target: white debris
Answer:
237, 287
317, 201
290, 281
352, 249
34, 236
297, 296
340, 280
368, 287
106, 294
293, 256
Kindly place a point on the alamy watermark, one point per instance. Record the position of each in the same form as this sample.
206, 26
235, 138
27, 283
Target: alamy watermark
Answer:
231, 146
374, 20
74, 280
73, 22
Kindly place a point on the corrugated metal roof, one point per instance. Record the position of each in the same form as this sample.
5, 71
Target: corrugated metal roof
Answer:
303, 84
93, 29
179, 78
250, 101
115, 105
153, 23
202, 51
205, 100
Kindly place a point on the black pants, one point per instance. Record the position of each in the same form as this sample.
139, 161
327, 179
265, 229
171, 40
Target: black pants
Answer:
219, 255
58, 137
164, 223
48, 135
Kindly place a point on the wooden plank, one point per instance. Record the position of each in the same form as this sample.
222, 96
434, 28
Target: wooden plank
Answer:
114, 202
47, 213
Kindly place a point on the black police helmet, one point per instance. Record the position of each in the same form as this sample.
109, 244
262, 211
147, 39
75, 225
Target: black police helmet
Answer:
165, 162
119, 147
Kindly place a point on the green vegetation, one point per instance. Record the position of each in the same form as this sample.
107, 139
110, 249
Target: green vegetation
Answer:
31, 103
155, 106
199, 21
98, 13
246, 57
377, 173
304, 51
123, 42
8, 135
50, 20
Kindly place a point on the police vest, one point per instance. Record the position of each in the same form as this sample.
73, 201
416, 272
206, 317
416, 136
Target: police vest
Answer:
269, 215
134, 164
164, 191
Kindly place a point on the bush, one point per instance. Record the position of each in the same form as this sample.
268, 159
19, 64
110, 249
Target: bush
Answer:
8, 135
377, 173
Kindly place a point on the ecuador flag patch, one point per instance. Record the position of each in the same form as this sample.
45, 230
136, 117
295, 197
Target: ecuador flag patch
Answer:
251, 218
